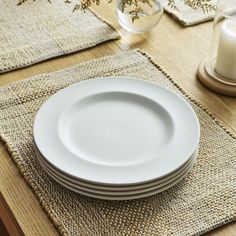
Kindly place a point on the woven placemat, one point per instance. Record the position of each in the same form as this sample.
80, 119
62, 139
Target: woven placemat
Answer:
38, 30
202, 201
188, 16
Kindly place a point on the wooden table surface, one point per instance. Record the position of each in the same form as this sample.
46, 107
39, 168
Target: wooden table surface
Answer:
178, 50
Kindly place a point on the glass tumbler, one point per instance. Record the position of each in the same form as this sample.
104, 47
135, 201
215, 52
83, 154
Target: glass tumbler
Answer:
139, 16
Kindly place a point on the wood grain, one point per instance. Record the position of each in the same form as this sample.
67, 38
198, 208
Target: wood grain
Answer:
3, 231
9, 223
179, 50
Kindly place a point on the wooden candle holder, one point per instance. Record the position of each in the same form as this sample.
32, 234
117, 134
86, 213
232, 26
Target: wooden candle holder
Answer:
215, 82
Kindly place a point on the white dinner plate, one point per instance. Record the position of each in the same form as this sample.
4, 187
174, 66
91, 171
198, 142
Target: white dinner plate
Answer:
122, 197
111, 192
116, 131
158, 183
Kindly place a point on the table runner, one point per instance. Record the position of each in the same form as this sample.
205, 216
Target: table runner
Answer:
188, 16
202, 201
38, 30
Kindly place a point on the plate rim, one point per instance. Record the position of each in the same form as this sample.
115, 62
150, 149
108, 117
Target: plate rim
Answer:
126, 197
123, 192
116, 187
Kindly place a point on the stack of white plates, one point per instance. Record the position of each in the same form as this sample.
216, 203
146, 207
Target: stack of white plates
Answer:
116, 138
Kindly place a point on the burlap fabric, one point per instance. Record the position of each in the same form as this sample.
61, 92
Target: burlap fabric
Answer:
188, 16
202, 201
38, 30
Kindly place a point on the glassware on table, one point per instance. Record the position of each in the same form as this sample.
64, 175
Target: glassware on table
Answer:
218, 71
146, 18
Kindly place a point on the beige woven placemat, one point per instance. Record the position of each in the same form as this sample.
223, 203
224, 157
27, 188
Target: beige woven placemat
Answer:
202, 201
188, 16
38, 30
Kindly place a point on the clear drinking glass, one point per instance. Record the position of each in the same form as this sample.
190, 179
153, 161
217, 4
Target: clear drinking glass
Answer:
146, 18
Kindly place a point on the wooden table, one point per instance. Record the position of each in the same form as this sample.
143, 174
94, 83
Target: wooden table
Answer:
179, 50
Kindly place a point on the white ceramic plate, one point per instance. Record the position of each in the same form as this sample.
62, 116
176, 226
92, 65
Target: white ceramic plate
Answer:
116, 131
111, 192
85, 185
122, 197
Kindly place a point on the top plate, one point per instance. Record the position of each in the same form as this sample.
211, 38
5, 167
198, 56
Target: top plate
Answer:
116, 131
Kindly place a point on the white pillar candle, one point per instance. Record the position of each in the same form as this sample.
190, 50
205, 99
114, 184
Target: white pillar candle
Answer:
226, 55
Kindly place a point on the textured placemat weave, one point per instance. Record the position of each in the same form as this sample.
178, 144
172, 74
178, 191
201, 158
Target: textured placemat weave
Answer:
38, 30
188, 16
204, 200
